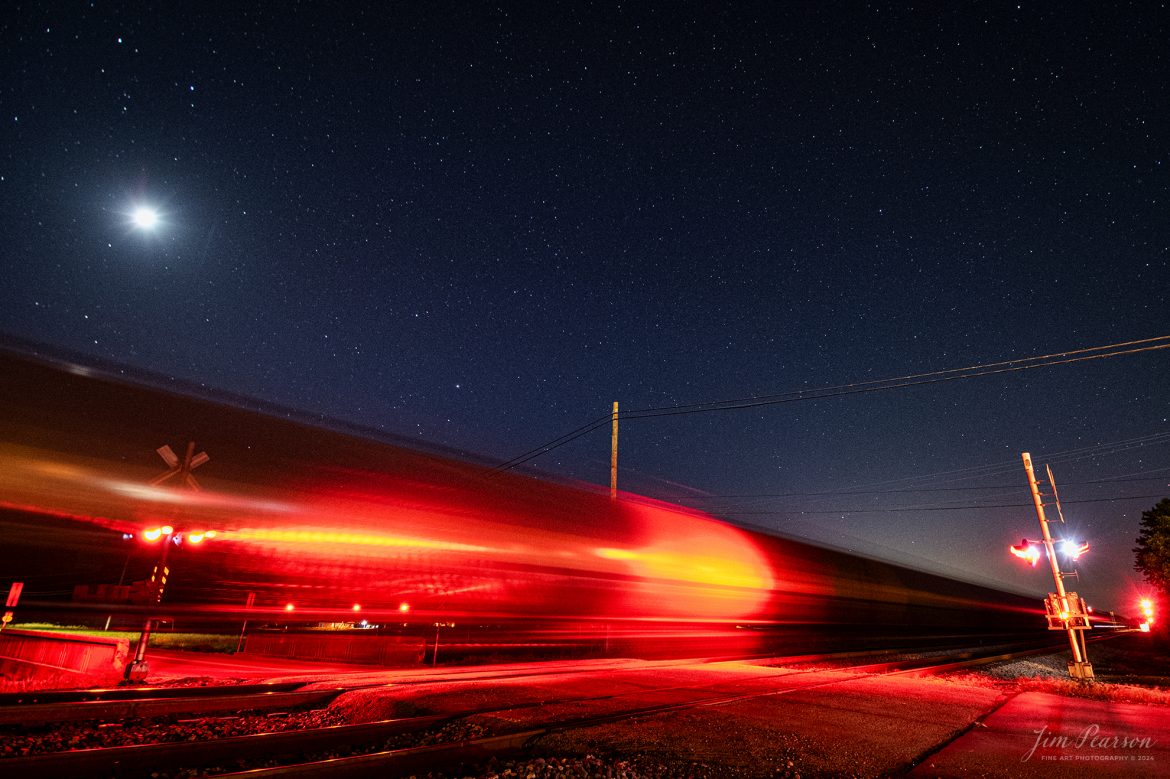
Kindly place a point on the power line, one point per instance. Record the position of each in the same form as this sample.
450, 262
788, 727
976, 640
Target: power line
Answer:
879, 385
1043, 360
556, 443
902, 509
1066, 455
901, 490
876, 385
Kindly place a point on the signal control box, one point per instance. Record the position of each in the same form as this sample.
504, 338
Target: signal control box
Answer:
1067, 612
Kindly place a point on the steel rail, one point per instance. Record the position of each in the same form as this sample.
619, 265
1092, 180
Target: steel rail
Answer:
126, 693
47, 713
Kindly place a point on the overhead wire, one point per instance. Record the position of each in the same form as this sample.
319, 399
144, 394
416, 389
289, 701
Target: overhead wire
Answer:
901, 490
875, 385
556, 443
968, 507
737, 503
879, 385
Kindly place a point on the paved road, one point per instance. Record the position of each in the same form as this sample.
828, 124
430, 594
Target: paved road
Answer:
1035, 734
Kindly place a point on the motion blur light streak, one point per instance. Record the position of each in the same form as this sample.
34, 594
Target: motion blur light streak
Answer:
321, 520
293, 540
478, 226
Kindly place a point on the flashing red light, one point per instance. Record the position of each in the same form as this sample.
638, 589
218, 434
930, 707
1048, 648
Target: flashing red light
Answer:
1147, 606
196, 538
289, 607
357, 607
155, 533
1073, 550
404, 607
1026, 550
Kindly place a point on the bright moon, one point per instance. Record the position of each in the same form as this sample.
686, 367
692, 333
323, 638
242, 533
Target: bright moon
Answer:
145, 218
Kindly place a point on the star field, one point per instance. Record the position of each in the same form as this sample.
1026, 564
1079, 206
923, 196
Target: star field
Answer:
477, 227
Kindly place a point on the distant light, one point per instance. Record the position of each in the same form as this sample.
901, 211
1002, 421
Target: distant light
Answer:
289, 607
404, 607
154, 534
357, 607
144, 218
167, 530
1147, 610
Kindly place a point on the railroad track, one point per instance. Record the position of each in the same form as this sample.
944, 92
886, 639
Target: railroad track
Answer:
387, 748
225, 699
127, 693
121, 703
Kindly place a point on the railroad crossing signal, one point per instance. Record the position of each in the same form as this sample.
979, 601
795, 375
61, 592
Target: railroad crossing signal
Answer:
137, 669
1065, 610
181, 468
1147, 607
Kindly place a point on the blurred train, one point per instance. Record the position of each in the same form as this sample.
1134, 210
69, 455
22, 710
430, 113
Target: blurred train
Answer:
320, 524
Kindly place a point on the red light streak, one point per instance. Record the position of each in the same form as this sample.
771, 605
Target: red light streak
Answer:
1026, 551
315, 537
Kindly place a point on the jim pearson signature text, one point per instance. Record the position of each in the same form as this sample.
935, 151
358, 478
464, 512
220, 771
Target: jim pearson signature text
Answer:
1090, 737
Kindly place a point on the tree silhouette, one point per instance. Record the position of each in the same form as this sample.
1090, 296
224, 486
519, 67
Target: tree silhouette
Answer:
1152, 553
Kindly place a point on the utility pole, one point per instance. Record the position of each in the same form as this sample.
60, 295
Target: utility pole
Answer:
613, 455
1062, 607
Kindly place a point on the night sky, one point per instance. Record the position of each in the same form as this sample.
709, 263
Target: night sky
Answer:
476, 227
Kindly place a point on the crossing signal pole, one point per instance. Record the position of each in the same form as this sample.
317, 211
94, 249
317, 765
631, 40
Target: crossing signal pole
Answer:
1065, 609
137, 669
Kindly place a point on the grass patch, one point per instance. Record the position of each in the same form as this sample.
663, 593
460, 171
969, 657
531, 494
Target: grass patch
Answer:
1098, 691
191, 642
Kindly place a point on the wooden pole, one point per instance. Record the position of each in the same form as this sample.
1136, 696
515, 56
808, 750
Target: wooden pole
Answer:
613, 455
